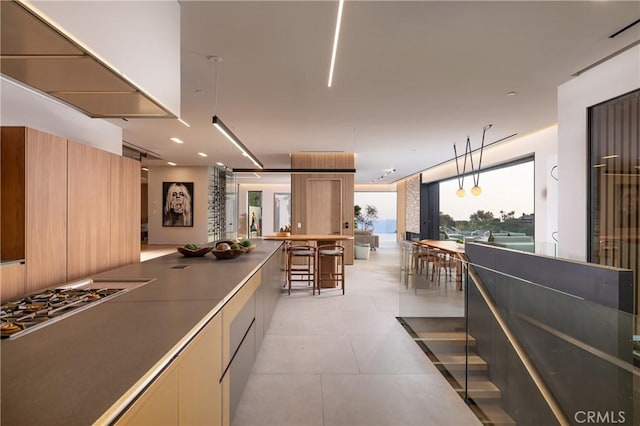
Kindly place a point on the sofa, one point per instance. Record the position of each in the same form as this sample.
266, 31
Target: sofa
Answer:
366, 236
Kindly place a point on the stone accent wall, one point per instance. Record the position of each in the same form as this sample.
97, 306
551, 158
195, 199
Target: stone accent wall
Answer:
413, 204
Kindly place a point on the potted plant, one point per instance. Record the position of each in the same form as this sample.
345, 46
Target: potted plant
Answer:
361, 251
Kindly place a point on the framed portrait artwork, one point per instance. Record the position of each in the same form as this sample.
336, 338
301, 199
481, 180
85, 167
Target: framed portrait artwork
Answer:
281, 210
177, 202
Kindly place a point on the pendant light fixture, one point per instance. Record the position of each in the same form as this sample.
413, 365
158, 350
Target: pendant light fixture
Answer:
475, 190
218, 124
460, 191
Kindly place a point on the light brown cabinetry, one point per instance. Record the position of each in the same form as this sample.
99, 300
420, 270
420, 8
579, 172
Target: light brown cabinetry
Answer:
188, 392
46, 193
88, 211
124, 210
34, 211
12, 277
69, 210
200, 366
158, 405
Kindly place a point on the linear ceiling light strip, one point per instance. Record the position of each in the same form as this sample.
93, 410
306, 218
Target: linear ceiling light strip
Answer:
218, 124
293, 171
335, 42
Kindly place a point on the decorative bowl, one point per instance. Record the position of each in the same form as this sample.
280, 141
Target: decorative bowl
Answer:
201, 251
283, 234
226, 254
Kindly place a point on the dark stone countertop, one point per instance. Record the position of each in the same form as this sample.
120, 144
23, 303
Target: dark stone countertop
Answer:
72, 371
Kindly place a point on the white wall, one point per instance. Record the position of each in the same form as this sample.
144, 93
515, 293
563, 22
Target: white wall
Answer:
159, 234
615, 77
267, 205
543, 145
140, 39
20, 106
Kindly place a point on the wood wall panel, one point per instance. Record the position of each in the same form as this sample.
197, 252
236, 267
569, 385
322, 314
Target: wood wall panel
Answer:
348, 201
299, 184
134, 199
322, 160
124, 210
46, 210
88, 241
12, 277
12, 201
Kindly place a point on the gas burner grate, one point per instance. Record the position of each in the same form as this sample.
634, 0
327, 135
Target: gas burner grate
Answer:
34, 311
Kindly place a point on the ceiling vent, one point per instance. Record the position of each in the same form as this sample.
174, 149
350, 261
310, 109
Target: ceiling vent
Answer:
36, 54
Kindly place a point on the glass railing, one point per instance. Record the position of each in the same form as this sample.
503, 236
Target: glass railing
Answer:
521, 352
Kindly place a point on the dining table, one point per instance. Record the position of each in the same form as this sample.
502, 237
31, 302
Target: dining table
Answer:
327, 266
453, 249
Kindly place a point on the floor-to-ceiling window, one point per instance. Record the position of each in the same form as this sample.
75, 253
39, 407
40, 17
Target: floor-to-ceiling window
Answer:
614, 183
504, 208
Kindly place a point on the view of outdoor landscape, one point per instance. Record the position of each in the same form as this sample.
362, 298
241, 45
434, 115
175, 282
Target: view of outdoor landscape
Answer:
504, 208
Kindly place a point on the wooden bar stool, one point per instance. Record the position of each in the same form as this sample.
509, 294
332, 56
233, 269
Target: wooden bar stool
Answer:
335, 255
304, 270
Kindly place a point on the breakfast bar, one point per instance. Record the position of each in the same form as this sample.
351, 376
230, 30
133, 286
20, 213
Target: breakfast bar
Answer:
326, 268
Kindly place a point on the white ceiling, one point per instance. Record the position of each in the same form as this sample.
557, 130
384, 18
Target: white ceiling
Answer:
411, 78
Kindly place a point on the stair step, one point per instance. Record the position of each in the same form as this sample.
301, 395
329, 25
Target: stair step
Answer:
479, 388
453, 362
451, 337
493, 414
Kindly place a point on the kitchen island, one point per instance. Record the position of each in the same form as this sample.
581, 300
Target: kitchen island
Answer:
99, 365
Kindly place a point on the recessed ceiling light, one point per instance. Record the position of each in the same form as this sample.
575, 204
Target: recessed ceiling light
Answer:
219, 164
183, 122
599, 165
202, 154
176, 140
146, 169
171, 163
607, 157
511, 93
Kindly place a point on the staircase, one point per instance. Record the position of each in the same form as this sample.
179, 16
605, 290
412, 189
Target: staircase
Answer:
443, 340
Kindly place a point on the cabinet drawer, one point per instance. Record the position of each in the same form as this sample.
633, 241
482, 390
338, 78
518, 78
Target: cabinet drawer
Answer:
237, 316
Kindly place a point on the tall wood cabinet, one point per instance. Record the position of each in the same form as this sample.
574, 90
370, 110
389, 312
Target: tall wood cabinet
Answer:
125, 190
34, 221
69, 210
88, 210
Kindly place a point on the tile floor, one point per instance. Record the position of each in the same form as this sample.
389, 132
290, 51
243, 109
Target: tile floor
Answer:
345, 360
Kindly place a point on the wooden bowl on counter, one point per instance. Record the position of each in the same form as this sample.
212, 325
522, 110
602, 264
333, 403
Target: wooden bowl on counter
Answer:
227, 254
199, 252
